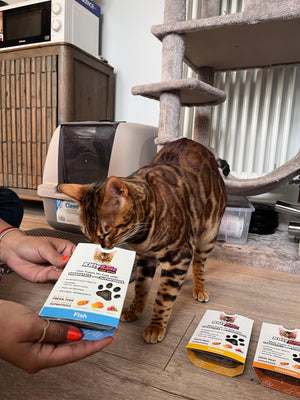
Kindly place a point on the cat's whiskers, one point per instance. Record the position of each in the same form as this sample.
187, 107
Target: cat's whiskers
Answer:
132, 231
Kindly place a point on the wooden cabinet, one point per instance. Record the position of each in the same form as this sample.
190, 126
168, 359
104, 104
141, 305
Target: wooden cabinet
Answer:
41, 87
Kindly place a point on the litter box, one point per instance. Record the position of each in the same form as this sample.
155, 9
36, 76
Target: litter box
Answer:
85, 152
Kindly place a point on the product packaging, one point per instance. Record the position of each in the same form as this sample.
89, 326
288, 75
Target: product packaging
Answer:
277, 358
91, 290
220, 343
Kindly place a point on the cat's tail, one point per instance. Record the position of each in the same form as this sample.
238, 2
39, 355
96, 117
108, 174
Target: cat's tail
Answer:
224, 166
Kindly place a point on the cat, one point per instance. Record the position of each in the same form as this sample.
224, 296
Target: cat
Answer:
169, 212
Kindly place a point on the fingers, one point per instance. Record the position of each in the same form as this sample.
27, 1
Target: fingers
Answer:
53, 250
44, 331
77, 351
32, 343
50, 254
50, 355
59, 332
65, 249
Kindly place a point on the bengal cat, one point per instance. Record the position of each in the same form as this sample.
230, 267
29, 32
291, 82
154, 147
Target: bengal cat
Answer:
168, 212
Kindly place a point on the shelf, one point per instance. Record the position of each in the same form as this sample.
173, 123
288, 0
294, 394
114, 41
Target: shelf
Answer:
238, 41
266, 183
192, 91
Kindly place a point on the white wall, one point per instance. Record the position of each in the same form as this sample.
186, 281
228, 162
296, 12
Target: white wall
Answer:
133, 52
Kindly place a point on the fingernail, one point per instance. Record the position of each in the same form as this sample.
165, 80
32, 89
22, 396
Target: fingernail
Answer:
66, 257
74, 334
110, 342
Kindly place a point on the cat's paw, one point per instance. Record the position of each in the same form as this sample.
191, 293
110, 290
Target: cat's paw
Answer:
201, 295
154, 334
129, 315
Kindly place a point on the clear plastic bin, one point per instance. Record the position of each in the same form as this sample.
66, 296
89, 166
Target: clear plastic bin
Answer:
235, 223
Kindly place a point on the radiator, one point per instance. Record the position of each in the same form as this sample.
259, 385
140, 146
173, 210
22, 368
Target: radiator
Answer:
255, 129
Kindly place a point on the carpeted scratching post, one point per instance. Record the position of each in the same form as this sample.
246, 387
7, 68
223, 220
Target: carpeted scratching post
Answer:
264, 34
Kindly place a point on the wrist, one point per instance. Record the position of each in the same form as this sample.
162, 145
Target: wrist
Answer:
7, 230
9, 237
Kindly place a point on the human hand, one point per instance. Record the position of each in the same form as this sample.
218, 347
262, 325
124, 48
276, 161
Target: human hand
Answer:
37, 259
21, 330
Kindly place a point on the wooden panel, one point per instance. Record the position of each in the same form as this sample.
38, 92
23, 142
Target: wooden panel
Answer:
90, 93
40, 87
81, 81
26, 98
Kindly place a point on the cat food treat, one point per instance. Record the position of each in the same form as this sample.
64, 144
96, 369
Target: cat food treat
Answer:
82, 302
277, 358
169, 212
220, 343
91, 290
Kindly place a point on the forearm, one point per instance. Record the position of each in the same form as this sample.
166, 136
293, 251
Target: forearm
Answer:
3, 224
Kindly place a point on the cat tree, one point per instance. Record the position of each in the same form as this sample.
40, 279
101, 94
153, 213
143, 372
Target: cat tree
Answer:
266, 33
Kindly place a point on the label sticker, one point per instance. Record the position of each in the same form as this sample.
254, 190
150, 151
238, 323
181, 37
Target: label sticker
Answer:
91, 6
67, 212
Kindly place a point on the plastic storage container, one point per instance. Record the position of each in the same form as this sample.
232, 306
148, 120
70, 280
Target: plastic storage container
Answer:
235, 223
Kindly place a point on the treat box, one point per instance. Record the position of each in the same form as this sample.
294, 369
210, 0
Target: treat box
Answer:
235, 223
220, 343
277, 358
91, 289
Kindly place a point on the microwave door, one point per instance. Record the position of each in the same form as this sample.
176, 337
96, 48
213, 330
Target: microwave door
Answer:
26, 25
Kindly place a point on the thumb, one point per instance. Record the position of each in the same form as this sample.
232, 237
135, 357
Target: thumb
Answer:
50, 254
53, 256
59, 332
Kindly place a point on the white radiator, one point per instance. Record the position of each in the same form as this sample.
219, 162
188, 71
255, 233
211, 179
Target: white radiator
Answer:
255, 129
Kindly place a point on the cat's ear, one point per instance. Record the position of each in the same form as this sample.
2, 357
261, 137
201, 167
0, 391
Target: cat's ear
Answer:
73, 190
115, 187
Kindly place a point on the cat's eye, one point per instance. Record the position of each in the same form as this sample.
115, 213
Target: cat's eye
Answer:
105, 234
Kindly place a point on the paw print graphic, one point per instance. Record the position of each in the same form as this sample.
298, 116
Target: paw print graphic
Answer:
109, 292
235, 340
296, 357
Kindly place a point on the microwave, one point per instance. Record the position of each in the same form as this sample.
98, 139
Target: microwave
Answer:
44, 21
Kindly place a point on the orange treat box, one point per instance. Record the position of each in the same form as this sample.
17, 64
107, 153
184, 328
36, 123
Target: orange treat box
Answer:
220, 343
277, 358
